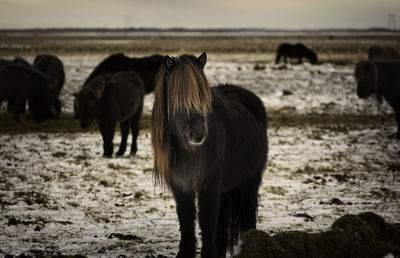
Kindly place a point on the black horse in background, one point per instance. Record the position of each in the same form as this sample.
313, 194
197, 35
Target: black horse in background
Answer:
52, 66
19, 83
146, 67
298, 51
381, 78
21, 61
110, 99
376, 53
210, 144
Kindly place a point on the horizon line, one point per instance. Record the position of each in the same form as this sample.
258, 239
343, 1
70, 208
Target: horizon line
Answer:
199, 29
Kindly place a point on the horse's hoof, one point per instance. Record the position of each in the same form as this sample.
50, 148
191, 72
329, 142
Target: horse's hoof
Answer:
185, 255
109, 156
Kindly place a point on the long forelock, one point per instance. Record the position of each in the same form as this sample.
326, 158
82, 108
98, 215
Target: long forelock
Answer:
187, 88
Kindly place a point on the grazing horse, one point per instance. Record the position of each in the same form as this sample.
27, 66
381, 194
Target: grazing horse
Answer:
380, 54
17, 60
298, 50
210, 144
110, 99
19, 83
381, 78
52, 66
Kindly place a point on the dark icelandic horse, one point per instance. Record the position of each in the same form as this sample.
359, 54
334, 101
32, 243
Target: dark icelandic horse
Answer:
17, 60
376, 53
381, 78
210, 144
20, 83
147, 68
298, 51
110, 99
52, 66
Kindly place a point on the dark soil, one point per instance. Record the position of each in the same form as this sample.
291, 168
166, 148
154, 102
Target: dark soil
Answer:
362, 235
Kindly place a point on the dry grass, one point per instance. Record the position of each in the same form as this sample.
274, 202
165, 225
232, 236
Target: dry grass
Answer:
335, 49
276, 119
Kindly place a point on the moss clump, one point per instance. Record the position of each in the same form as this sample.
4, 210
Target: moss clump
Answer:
363, 235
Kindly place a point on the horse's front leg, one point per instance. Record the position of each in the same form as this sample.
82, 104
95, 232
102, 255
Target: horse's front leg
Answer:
300, 60
186, 211
208, 200
107, 132
124, 127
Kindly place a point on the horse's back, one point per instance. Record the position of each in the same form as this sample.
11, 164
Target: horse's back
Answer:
111, 64
246, 98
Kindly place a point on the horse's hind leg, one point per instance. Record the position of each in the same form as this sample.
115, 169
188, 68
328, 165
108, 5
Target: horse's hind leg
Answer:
186, 211
124, 127
249, 203
135, 129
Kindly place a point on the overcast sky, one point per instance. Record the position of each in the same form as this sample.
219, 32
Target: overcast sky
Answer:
289, 14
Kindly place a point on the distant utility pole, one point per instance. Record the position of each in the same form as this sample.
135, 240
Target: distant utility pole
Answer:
391, 21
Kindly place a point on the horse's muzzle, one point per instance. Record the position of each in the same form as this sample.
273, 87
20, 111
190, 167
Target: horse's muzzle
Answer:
196, 139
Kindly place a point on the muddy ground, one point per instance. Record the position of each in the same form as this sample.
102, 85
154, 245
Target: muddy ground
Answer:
330, 154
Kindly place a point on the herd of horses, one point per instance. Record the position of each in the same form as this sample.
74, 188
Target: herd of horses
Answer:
210, 143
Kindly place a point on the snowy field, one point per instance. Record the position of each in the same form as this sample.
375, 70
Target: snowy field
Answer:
59, 196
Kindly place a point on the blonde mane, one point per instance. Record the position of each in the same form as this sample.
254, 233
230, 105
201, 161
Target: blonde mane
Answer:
182, 89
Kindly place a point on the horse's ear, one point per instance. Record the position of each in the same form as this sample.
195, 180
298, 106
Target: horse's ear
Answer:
168, 62
202, 59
